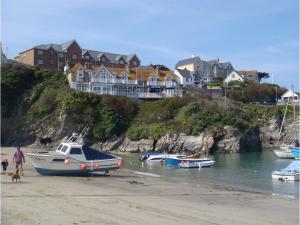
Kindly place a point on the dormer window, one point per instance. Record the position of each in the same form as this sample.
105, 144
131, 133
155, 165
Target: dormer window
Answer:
103, 59
79, 73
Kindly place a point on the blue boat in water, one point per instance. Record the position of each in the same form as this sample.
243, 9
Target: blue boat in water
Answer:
295, 151
175, 160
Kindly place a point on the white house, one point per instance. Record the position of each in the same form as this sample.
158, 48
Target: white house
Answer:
185, 77
290, 96
233, 76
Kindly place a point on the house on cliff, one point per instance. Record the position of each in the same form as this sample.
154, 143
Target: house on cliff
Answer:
204, 71
145, 82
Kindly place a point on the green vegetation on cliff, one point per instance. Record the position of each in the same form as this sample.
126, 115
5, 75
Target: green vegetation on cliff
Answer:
35, 94
30, 94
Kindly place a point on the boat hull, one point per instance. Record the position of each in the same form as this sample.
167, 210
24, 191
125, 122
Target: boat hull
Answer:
295, 151
172, 161
188, 164
283, 154
286, 176
77, 172
175, 160
53, 164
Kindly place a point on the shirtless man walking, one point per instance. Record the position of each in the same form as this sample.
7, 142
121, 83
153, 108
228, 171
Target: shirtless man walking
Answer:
19, 159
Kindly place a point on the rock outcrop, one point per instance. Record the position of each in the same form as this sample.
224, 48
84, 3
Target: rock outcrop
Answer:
227, 140
269, 131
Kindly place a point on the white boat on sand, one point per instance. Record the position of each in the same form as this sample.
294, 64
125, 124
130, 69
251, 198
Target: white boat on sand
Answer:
74, 158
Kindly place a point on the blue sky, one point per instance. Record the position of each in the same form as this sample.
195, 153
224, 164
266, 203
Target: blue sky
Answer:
252, 34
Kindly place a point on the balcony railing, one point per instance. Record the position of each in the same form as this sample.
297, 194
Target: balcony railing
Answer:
155, 83
150, 95
113, 81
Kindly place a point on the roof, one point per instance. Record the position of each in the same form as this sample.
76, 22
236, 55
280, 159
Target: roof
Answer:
56, 47
112, 57
67, 44
248, 72
184, 73
187, 61
289, 93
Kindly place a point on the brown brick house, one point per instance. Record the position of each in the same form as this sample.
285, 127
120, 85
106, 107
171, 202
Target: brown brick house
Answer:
55, 56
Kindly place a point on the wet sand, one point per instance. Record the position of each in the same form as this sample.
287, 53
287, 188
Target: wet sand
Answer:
128, 198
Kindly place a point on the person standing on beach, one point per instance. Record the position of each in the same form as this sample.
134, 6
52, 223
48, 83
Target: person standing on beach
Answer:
4, 164
19, 159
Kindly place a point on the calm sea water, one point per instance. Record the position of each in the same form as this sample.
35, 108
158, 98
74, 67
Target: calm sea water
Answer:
245, 170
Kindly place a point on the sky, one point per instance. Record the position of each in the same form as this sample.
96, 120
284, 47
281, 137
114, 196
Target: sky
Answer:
251, 34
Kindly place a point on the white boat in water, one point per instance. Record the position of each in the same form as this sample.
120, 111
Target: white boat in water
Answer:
156, 157
290, 173
73, 158
196, 163
283, 152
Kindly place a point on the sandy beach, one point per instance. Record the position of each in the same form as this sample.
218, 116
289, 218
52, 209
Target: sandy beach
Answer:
125, 197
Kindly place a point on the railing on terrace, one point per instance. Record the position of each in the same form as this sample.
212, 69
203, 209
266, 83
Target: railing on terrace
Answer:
113, 81
117, 93
155, 83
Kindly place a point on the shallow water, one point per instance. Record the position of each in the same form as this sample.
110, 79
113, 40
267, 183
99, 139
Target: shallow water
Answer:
245, 170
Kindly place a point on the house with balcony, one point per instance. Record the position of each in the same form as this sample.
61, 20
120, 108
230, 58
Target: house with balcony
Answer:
140, 82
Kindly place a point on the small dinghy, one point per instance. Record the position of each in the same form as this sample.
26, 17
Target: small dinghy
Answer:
290, 173
196, 163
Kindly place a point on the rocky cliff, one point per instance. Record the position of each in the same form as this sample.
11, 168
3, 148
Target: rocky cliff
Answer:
228, 140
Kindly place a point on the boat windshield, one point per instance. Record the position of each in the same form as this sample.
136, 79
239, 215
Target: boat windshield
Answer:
64, 148
59, 147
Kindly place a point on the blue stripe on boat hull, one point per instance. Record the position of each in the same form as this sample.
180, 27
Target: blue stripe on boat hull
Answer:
172, 161
50, 172
295, 151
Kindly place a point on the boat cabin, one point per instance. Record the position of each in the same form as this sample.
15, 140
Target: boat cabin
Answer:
82, 152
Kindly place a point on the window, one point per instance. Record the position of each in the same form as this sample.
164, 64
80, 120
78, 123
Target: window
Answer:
134, 63
61, 64
40, 61
60, 55
87, 57
187, 79
51, 61
81, 87
40, 52
121, 62
64, 148
74, 56
51, 52
79, 73
59, 147
103, 59
90, 74
75, 151
232, 76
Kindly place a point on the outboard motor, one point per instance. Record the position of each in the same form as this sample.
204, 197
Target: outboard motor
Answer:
143, 157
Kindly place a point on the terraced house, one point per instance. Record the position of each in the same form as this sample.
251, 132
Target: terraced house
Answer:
56, 56
138, 82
